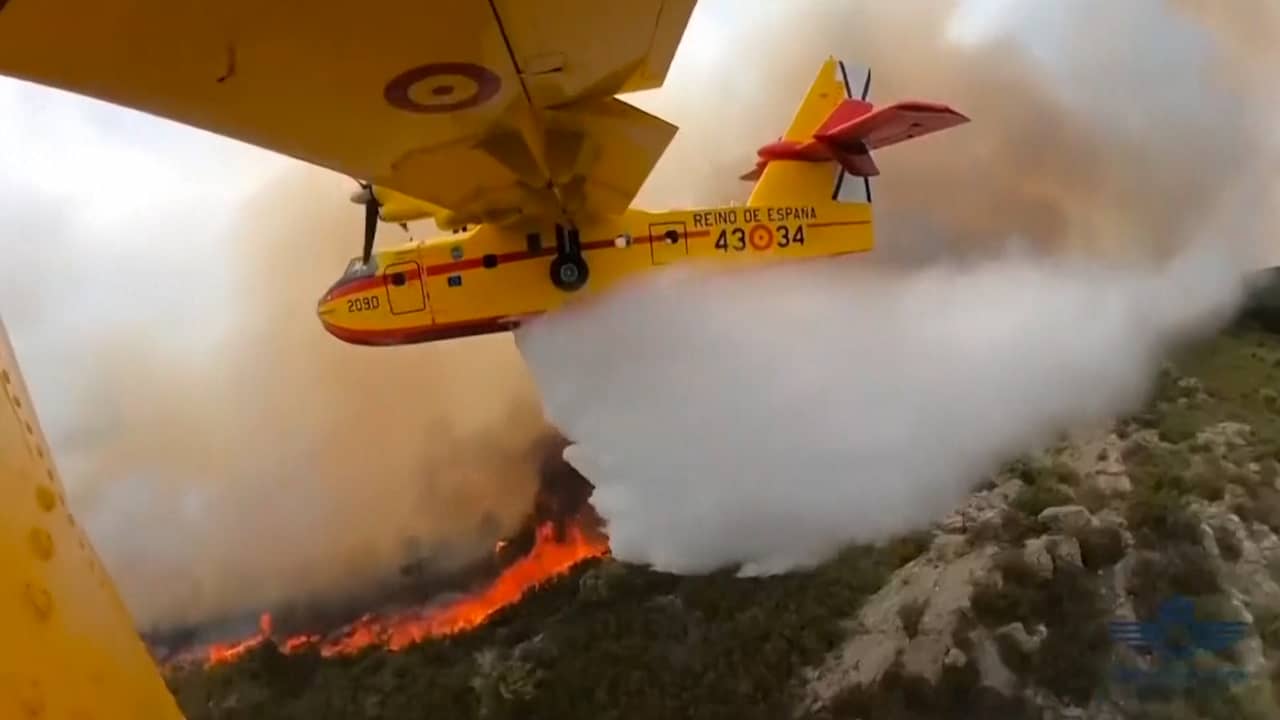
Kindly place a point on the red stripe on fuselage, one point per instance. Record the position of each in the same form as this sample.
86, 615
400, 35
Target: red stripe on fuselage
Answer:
376, 282
420, 333
837, 223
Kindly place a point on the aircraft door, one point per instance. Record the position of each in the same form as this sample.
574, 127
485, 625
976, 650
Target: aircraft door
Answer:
668, 242
405, 293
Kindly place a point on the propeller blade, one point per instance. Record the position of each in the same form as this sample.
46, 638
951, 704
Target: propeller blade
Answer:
370, 227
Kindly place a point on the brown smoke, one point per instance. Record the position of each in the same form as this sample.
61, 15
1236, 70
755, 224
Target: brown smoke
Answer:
261, 460
1110, 140
838, 402
280, 463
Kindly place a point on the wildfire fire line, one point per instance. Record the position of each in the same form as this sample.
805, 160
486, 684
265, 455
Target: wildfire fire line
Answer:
565, 530
550, 556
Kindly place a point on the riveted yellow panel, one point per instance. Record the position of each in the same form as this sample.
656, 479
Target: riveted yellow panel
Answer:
70, 648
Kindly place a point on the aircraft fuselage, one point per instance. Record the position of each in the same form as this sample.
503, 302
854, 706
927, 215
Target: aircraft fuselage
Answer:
489, 278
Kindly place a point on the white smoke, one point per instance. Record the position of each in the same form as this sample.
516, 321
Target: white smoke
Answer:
770, 417
765, 418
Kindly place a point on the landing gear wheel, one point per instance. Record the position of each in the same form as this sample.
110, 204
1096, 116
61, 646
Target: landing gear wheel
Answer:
569, 269
569, 272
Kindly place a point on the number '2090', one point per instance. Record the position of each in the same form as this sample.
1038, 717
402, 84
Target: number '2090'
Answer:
362, 304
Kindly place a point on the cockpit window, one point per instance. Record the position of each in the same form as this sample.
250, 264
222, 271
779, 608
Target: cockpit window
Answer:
357, 269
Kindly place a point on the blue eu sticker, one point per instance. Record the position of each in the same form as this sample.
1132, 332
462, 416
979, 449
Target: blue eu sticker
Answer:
455, 281
1173, 638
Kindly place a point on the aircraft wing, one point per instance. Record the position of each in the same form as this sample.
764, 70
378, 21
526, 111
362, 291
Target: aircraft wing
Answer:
489, 109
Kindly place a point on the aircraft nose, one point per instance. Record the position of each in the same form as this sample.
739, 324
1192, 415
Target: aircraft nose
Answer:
326, 307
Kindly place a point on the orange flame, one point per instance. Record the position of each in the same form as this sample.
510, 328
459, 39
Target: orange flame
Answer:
549, 557
227, 652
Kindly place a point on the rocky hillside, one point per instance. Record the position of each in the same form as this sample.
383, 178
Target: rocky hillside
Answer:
1016, 605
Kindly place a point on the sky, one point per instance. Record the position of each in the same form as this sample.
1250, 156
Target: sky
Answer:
160, 281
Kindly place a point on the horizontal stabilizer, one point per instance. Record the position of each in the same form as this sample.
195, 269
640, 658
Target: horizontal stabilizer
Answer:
845, 113
853, 129
885, 126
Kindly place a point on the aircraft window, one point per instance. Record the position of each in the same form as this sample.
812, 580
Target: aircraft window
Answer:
357, 269
490, 261
397, 279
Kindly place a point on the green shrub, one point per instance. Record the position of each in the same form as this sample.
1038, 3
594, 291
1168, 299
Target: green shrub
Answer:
1038, 471
1071, 661
1012, 655
1033, 499
1011, 529
1209, 482
905, 548
1181, 569
994, 605
1157, 517
1270, 398
1101, 546
957, 695
1178, 427
1267, 623
1092, 498
1263, 506
1157, 467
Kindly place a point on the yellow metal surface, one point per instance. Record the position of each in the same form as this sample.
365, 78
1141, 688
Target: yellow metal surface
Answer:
447, 102
787, 181
488, 278
461, 288
70, 650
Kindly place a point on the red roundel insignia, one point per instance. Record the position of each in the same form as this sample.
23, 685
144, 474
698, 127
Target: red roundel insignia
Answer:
442, 87
760, 237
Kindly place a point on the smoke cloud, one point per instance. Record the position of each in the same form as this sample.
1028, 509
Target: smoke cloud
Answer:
1033, 269
307, 468
224, 453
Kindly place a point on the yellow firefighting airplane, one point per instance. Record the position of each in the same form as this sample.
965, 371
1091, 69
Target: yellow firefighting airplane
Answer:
522, 260
497, 118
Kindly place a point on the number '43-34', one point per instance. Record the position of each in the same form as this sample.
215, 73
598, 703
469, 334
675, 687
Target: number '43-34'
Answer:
737, 239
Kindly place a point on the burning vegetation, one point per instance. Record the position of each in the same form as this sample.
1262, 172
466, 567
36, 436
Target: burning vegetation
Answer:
562, 530
950, 604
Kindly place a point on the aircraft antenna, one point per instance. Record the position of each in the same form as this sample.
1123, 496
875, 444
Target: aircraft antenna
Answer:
866, 88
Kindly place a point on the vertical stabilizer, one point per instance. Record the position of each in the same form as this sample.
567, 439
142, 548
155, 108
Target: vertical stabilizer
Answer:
827, 150
781, 182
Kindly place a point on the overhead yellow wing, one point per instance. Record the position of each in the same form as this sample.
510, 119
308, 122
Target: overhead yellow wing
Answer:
490, 110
